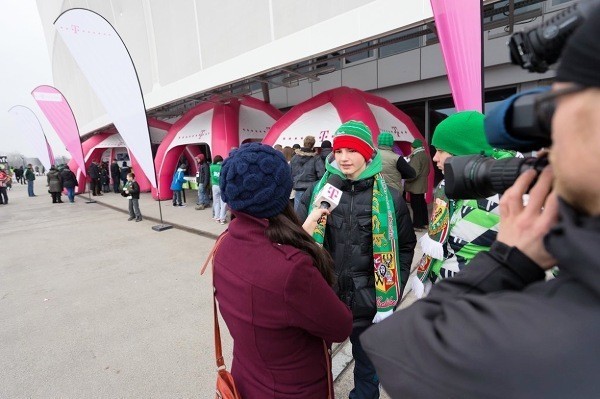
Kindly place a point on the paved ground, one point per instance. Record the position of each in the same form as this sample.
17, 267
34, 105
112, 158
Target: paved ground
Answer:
95, 306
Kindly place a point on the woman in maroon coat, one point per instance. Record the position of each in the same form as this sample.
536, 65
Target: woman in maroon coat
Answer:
273, 284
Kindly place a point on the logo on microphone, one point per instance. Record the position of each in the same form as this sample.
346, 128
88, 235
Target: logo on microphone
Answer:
333, 192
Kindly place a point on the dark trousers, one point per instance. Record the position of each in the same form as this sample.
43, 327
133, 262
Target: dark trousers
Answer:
95, 186
419, 207
134, 209
366, 381
3, 196
55, 197
116, 184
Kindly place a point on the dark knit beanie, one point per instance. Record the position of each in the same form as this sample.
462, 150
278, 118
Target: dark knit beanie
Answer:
256, 180
416, 143
581, 55
385, 139
326, 144
462, 134
357, 136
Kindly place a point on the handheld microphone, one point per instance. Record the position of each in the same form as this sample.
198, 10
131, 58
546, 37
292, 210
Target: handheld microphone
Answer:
330, 195
328, 198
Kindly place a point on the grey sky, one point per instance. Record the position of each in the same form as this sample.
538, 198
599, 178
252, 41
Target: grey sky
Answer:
24, 65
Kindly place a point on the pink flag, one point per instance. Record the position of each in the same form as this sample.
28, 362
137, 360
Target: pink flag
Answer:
458, 24
58, 112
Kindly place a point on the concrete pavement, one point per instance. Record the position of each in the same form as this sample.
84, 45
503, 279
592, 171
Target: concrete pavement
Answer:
95, 306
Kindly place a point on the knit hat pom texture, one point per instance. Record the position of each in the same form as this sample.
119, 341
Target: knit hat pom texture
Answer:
256, 180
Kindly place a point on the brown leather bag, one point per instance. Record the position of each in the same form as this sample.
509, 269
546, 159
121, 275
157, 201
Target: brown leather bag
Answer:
226, 388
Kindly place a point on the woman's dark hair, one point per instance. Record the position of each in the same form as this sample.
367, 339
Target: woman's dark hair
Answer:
217, 159
285, 228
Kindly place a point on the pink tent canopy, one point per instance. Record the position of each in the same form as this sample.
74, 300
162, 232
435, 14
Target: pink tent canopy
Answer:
217, 125
97, 146
321, 115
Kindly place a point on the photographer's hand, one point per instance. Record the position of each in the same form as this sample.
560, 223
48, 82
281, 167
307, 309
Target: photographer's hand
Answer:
524, 227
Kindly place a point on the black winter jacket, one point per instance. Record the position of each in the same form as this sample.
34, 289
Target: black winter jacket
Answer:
134, 190
349, 240
68, 178
94, 171
115, 171
307, 168
498, 330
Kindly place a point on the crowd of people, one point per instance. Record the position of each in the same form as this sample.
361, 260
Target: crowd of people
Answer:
294, 273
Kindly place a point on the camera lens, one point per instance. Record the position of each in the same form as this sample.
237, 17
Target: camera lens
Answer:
478, 176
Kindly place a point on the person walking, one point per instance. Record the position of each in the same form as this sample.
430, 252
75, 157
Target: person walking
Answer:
115, 175
417, 186
55, 186
282, 313
30, 177
219, 206
369, 236
131, 190
69, 181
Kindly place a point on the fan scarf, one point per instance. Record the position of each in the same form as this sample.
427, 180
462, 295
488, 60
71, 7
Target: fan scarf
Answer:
385, 235
470, 221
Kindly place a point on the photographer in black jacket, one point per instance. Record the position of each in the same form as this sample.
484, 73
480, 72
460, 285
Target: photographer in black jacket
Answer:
498, 329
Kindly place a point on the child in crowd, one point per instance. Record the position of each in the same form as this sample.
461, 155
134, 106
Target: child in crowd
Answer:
131, 190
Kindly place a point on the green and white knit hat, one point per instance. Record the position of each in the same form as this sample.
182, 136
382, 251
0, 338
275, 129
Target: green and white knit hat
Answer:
462, 134
357, 136
385, 139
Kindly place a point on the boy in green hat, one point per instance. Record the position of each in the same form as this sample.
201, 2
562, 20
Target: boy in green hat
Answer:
458, 229
369, 236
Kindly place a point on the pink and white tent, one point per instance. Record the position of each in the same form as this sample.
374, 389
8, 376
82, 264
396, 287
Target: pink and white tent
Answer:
109, 145
217, 125
321, 115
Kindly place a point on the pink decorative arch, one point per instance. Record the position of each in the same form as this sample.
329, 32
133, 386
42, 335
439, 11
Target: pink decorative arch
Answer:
321, 115
220, 126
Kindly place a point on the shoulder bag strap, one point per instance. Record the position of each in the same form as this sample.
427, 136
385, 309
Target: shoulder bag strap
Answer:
329, 371
218, 349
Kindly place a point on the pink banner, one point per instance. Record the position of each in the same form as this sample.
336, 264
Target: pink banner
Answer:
30, 126
458, 24
58, 112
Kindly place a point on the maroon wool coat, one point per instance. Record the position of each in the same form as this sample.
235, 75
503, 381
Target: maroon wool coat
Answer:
278, 309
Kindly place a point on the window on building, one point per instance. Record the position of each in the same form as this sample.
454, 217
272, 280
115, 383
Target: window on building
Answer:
554, 3
496, 96
407, 40
355, 55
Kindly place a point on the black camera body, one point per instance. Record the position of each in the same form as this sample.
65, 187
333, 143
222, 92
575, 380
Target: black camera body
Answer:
517, 124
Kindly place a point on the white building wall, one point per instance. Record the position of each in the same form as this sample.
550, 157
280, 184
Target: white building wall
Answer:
183, 47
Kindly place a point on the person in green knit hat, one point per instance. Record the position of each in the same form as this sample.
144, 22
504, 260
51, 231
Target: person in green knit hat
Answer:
369, 236
458, 229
